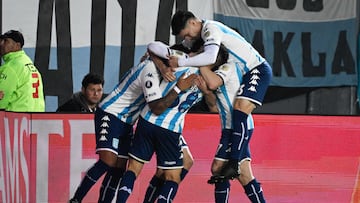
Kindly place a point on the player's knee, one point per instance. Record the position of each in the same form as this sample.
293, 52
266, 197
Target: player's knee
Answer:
121, 163
188, 163
172, 175
188, 160
135, 166
159, 173
244, 105
216, 167
108, 158
246, 174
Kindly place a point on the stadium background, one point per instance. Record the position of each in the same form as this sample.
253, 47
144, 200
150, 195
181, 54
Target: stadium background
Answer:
312, 46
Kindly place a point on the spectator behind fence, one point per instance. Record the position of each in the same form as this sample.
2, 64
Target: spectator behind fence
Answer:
88, 98
21, 84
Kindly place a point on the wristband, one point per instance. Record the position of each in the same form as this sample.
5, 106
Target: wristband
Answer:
177, 89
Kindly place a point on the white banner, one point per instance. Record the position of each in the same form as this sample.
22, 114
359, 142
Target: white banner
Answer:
309, 43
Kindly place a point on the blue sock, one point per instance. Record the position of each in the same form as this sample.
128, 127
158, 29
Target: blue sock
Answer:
254, 192
168, 192
222, 191
152, 192
91, 177
109, 184
126, 186
184, 172
155, 185
239, 135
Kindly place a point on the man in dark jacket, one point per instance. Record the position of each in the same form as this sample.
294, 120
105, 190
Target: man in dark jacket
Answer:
88, 98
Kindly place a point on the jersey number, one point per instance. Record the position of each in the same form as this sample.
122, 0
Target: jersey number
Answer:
35, 85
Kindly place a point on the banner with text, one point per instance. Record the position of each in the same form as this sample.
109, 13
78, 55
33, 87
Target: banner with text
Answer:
308, 43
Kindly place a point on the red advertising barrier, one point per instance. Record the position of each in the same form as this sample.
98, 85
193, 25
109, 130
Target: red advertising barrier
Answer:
296, 158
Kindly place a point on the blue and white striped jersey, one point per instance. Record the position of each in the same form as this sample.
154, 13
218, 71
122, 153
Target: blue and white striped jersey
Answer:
226, 93
173, 117
240, 51
127, 98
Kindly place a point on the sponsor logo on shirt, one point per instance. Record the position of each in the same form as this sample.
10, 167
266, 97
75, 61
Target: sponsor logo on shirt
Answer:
3, 76
148, 84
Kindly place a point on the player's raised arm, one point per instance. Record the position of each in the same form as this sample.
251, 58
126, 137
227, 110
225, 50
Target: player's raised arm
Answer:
210, 97
160, 105
207, 57
212, 80
166, 72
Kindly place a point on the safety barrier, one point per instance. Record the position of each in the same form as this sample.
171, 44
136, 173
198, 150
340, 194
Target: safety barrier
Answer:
297, 158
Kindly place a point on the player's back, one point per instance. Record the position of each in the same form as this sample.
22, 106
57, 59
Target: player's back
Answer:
127, 98
239, 49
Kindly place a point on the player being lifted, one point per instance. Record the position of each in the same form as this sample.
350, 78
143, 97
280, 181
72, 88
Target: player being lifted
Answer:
256, 79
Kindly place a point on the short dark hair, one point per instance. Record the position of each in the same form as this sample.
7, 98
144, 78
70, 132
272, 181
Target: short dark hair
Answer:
14, 35
92, 78
179, 20
195, 46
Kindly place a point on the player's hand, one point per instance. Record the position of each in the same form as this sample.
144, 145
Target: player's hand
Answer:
185, 83
173, 61
168, 74
201, 84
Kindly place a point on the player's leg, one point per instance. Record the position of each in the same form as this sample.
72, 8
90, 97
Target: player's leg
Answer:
127, 182
251, 186
156, 182
106, 137
169, 189
112, 177
242, 108
168, 155
94, 174
188, 159
111, 181
140, 152
154, 187
251, 93
222, 185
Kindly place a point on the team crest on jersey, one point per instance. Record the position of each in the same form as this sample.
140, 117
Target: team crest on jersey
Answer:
224, 68
148, 84
207, 33
150, 75
178, 54
3, 76
115, 143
